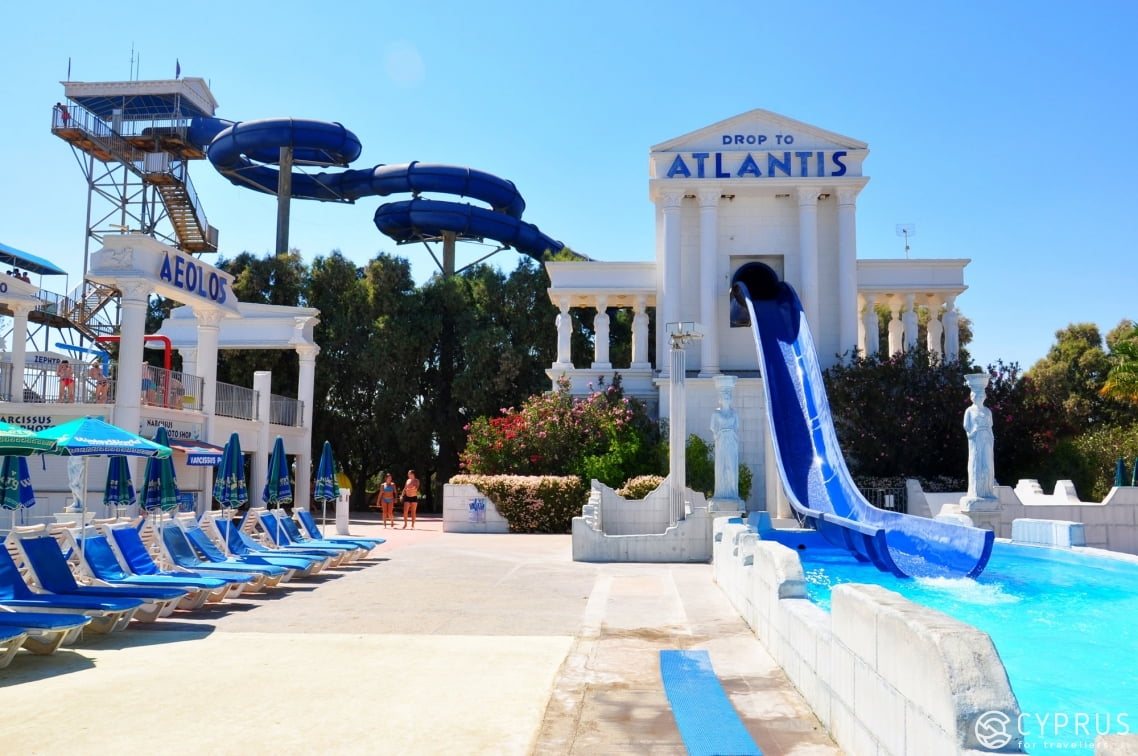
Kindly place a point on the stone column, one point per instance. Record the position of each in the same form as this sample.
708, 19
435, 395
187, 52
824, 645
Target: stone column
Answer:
935, 330
209, 322
709, 281
564, 336
872, 333
263, 385
951, 330
847, 269
306, 389
20, 349
189, 361
668, 300
640, 334
896, 329
910, 321
808, 254
601, 336
128, 389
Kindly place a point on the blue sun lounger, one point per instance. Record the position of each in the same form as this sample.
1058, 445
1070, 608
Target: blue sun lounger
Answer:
50, 569
11, 638
309, 523
45, 631
182, 553
100, 562
106, 614
283, 532
133, 550
207, 548
242, 545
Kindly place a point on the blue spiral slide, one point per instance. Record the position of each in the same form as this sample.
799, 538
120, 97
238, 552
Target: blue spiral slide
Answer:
247, 152
810, 462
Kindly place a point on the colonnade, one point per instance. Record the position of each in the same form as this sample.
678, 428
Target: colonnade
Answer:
942, 336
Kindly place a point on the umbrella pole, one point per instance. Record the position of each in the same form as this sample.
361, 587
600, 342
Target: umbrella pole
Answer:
323, 517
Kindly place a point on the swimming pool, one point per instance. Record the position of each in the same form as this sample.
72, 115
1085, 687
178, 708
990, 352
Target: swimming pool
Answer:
1064, 623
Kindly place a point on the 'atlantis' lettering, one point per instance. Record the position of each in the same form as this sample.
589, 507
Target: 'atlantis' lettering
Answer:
725, 165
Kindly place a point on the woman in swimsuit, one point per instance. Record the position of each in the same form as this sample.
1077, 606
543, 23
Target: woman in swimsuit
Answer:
66, 381
387, 493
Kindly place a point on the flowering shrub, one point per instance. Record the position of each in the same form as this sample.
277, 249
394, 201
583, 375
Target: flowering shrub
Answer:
534, 503
640, 486
605, 435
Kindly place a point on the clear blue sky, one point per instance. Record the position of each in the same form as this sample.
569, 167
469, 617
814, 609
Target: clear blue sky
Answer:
1003, 131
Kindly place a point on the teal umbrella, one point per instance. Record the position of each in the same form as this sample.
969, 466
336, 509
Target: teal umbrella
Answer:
1134, 475
1120, 473
91, 436
17, 441
278, 487
229, 486
327, 488
119, 489
16, 486
159, 487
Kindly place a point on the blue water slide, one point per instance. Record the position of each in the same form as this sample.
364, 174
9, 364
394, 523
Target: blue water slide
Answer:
247, 152
810, 461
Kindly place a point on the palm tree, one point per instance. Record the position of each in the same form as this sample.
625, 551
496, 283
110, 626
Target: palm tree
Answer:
1122, 380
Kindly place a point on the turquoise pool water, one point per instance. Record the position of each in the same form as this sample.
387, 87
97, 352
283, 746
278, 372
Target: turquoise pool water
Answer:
1065, 625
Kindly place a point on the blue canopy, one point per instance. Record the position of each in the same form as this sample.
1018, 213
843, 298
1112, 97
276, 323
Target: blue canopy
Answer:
86, 436
29, 262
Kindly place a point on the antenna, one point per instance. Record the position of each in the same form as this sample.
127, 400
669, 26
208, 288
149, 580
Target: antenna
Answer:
906, 230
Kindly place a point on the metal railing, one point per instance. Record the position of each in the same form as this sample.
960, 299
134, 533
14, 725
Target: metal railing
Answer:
285, 410
235, 401
172, 389
891, 499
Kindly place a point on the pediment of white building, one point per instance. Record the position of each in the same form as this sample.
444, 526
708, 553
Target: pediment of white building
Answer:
756, 147
759, 129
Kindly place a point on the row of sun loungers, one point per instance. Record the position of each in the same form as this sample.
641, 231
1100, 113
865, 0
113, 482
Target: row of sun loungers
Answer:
57, 584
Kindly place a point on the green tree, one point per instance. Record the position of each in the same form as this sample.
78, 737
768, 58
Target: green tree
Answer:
1073, 374
1122, 379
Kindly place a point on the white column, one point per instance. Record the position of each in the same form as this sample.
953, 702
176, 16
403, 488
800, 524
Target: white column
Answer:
668, 300
263, 385
128, 389
847, 269
896, 329
640, 334
934, 329
306, 389
189, 357
910, 321
808, 255
951, 330
870, 326
601, 336
20, 349
709, 281
677, 430
564, 336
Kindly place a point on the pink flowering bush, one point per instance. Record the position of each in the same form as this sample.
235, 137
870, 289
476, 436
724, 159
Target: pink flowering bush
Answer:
533, 503
605, 436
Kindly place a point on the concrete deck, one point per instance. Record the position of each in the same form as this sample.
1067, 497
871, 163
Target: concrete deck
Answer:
442, 643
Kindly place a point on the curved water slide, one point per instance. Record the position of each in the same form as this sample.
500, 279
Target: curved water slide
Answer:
810, 461
247, 153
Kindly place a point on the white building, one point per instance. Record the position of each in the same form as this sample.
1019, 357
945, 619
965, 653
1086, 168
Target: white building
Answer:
762, 188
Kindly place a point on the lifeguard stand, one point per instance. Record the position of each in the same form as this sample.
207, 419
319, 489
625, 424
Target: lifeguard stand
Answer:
129, 139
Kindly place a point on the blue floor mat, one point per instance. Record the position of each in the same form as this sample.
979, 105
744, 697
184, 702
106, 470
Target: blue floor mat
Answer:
708, 722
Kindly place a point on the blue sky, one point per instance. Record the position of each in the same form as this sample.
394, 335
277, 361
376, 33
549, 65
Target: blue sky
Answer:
1003, 131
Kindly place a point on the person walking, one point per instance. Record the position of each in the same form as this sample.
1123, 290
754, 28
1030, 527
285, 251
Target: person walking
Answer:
410, 498
387, 493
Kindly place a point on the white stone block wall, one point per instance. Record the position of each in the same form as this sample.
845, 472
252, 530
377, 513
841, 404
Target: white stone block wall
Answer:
883, 674
457, 511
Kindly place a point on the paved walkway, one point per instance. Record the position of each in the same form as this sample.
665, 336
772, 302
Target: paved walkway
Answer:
441, 643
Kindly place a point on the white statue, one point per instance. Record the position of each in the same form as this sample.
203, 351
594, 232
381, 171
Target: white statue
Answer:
981, 441
725, 427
